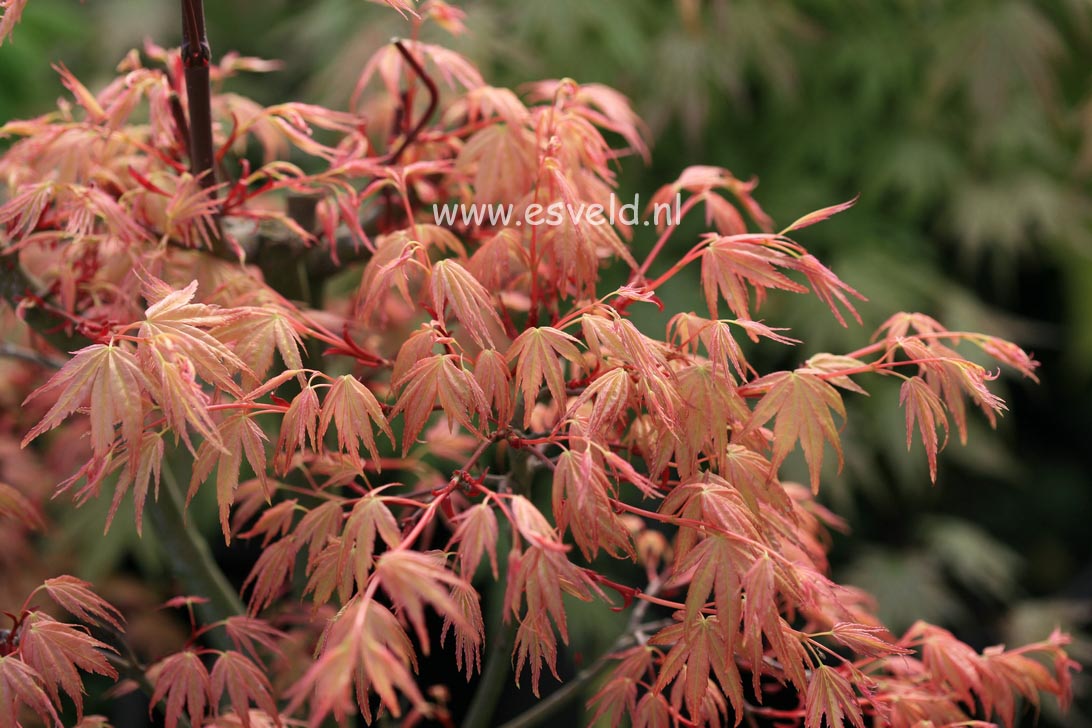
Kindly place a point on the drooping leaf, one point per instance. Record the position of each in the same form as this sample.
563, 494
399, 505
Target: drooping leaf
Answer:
412, 580
830, 697
21, 685
357, 413
536, 353
57, 651
924, 406
109, 380
183, 680
476, 535
454, 286
240, 435
244, 682
369, 518
442, 378
802, 405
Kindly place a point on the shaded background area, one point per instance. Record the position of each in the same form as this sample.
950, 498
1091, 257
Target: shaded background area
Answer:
966, 127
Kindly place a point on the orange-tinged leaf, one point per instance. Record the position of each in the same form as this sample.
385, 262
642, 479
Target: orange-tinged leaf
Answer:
75, 595
413, 579
21, 685
256, 335
536, 353
924, 406
174, 326
183, 680
801, 404
819, 215
581, 503
468, 642
866, 640
828, 287
610, 395
109, 380
491, 374
369, 518
476, 535
830, 697
273, 568
652, 712
454, 286
502, 157
442, 378
357, 413
832, 364
247, 633
535, 645
364, 645
240, 435
730, 263
57, 651
318, 526
244, 683
149, 465
298, 427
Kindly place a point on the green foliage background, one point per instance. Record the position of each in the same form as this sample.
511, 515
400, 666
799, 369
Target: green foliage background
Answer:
966, 127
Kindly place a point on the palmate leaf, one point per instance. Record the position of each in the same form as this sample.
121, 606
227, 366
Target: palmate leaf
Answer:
802, 405
697, 648
21, 685
149, 464
476, 535
369, 518
363, 646
57, 651
183, 680
924, 406
730, 263
354, 409
442, 378
255, 335
536, 353
453, 286
174, 324
247, 633
239, 435
581, 504
830, 697
75, 595
244, 682
106, 378
413, 579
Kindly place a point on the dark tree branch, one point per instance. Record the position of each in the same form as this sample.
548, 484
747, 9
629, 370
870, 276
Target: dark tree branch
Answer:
196, 58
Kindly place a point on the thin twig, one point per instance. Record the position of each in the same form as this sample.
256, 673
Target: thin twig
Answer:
190, 557
433, 101
12, 351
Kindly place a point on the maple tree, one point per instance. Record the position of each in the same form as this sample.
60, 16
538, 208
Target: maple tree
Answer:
237, 283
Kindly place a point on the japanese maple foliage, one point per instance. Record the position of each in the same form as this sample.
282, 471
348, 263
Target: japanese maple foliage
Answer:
401, 413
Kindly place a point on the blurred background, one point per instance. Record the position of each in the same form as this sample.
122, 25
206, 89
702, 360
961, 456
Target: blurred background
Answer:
964, 125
